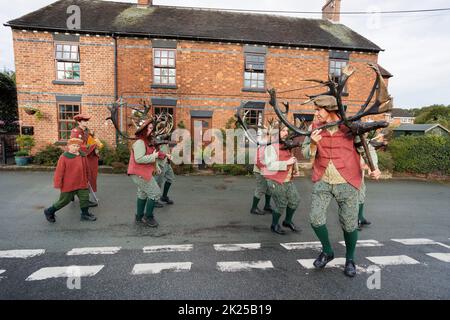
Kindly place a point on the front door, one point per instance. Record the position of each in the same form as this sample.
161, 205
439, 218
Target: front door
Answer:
198, 128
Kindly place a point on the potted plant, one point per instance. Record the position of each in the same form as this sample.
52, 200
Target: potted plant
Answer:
33, 111
26, 143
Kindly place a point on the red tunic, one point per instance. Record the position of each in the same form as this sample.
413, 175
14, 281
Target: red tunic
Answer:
280, 176
71, 173
144, 170
92, 158
340, 149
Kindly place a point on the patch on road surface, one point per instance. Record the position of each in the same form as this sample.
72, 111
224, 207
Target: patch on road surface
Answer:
65, 272
169, 248
154, 268
392, 260
98, 250
237, 247
234, 266
21, 254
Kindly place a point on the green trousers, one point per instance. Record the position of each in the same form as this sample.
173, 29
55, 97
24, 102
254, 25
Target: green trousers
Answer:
66, 197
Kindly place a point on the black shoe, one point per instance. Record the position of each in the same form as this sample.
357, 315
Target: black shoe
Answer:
291, 226
268, 209
257, 211
138, 219
323, 259
364, 222
166, 200
277, 229
158, 204
93, 204
350, 268
88, 217
359, 226
49, 215
149, 222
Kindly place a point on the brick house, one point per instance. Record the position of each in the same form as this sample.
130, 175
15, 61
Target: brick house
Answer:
400, 116
200, 65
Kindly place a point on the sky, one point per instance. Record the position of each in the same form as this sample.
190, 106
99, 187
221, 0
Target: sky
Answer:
417, 45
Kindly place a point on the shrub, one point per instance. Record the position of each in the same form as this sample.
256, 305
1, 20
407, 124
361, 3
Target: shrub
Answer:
385, 161
421, 154
26, 143
21, 153
48, 156
109, 155
232, 169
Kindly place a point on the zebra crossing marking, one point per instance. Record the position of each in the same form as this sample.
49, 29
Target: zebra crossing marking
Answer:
168, 248
65, 272
1, 272
154, 268
234, 266
440, 256
21, 254
237, 247
302, 245
335, 263
419, 241
365, 243
93, 250
392, 260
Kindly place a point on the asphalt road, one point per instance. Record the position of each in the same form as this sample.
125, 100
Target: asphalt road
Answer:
215, 210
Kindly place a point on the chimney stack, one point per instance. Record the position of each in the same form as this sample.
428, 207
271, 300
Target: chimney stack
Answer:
145, 3
332, 10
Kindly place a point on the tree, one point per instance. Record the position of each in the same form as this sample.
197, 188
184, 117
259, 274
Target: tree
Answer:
9, 112
434, 114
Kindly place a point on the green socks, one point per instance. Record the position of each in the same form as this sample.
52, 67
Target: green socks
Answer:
322, 234
255, 203
140, 207
361, 212
350, 243
149, 209
267, 205
275, 218
166, 189
289, 214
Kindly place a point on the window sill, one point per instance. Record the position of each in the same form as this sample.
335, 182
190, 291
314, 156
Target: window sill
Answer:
253, 90
60, 143
70, 83
163, 86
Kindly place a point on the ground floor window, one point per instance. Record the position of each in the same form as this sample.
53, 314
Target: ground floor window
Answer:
66, 112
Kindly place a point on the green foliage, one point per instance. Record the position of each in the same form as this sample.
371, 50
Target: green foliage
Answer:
9, 112
183, 169
385, 161
434, 114
25, 142
232, 169
181, 125
21, 153
421, 154
110, 155
48, 156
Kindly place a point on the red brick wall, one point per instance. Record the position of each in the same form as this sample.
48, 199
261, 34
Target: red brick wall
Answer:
209, 77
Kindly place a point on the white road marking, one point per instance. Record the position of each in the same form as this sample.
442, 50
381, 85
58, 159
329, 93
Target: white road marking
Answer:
392, 260
98, 250
21, 254
65, 272
154, 268
2, 271
440, 256
234, 266
169, 248
419, 241
237, 247
365, 243
335, 263
302, 245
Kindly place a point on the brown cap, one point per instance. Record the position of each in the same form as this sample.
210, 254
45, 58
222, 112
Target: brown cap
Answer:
81, 117
74, 141
144, 126
327, 102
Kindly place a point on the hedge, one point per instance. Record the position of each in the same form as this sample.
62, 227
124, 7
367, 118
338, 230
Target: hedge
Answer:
421, 154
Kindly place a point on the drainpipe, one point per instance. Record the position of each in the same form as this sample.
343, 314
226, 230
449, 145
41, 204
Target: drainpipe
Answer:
116, 89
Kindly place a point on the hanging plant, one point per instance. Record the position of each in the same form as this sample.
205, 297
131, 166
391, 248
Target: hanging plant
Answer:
34, 111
